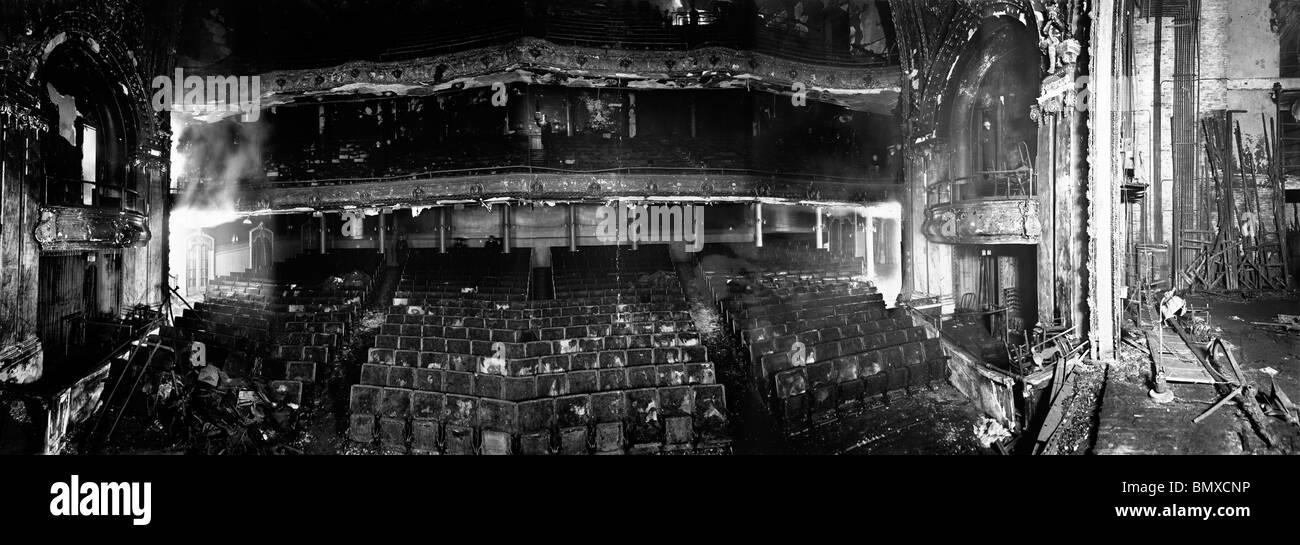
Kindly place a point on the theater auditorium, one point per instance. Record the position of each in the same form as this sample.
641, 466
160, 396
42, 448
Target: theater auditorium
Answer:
648, 227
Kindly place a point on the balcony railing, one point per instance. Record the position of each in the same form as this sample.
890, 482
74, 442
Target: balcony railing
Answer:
528, 169
991, 207
468, 156
62, 191
529, 182
991, 184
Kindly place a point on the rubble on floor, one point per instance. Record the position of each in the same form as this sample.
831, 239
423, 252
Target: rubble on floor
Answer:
1132, 421
1078, 428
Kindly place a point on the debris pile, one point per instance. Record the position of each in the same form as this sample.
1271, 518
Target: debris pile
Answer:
1277, 403
988, 431
197, 410
1286, 322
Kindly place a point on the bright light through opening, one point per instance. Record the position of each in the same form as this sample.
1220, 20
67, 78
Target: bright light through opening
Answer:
885, 221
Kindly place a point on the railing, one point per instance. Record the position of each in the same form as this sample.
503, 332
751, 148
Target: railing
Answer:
883, 182
986, 185
992, 207
62, 191
106, 337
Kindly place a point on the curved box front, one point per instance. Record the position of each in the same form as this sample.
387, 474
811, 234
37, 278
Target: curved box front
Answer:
984, 221
88, 229
570, 186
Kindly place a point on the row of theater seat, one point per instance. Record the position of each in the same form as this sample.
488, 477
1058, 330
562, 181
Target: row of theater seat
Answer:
291, 330
535, 314
464, 273
607, 371
820, 343
524, 331
615, 271
546, 383
524, 371
521, 359
643, 420
281, 299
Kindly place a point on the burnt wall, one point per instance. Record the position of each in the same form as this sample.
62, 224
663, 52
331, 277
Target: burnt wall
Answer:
118, 45
948, 48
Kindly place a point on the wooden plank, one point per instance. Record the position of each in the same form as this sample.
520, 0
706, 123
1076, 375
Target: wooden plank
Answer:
10, 199
1279, 195
1183, 366
29, 265
1251, 189
1056, 414
1187, 375
1218, 405
19, 214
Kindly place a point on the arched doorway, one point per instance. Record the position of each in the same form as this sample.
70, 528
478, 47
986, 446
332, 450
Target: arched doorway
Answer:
200, 264
86, 151
992, 137
86, 164
261, 249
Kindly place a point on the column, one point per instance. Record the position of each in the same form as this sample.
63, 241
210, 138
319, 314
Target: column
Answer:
322, 233
573, 227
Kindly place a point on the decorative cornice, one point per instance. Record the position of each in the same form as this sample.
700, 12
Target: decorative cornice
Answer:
21, 117
589, 63
985, 221
594, 187
88, 229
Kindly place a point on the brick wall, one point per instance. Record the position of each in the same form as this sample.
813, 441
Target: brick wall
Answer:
1239, 63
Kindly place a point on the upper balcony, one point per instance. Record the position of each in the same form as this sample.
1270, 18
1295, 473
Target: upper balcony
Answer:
569, 168
355, 160
549, 142
990, 207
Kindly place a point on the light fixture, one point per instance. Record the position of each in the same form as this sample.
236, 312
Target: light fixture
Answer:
247, 221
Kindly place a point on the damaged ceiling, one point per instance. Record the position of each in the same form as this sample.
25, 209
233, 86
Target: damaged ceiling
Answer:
536, 61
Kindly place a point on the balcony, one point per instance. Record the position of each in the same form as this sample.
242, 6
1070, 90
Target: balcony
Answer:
538, 183
464, 154
992, 207
579, 167
82, 228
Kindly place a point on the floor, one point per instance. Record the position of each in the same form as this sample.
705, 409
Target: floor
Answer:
1110, 412
1258, 346
971, 331
1131, 422
935, 421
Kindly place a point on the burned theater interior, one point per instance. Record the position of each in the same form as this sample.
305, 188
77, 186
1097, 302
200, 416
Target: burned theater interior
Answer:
707, 227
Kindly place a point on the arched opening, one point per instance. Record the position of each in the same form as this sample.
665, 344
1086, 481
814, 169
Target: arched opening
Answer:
86, 157
199, 264
986, 116
261, 249
993, 142
86, 160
